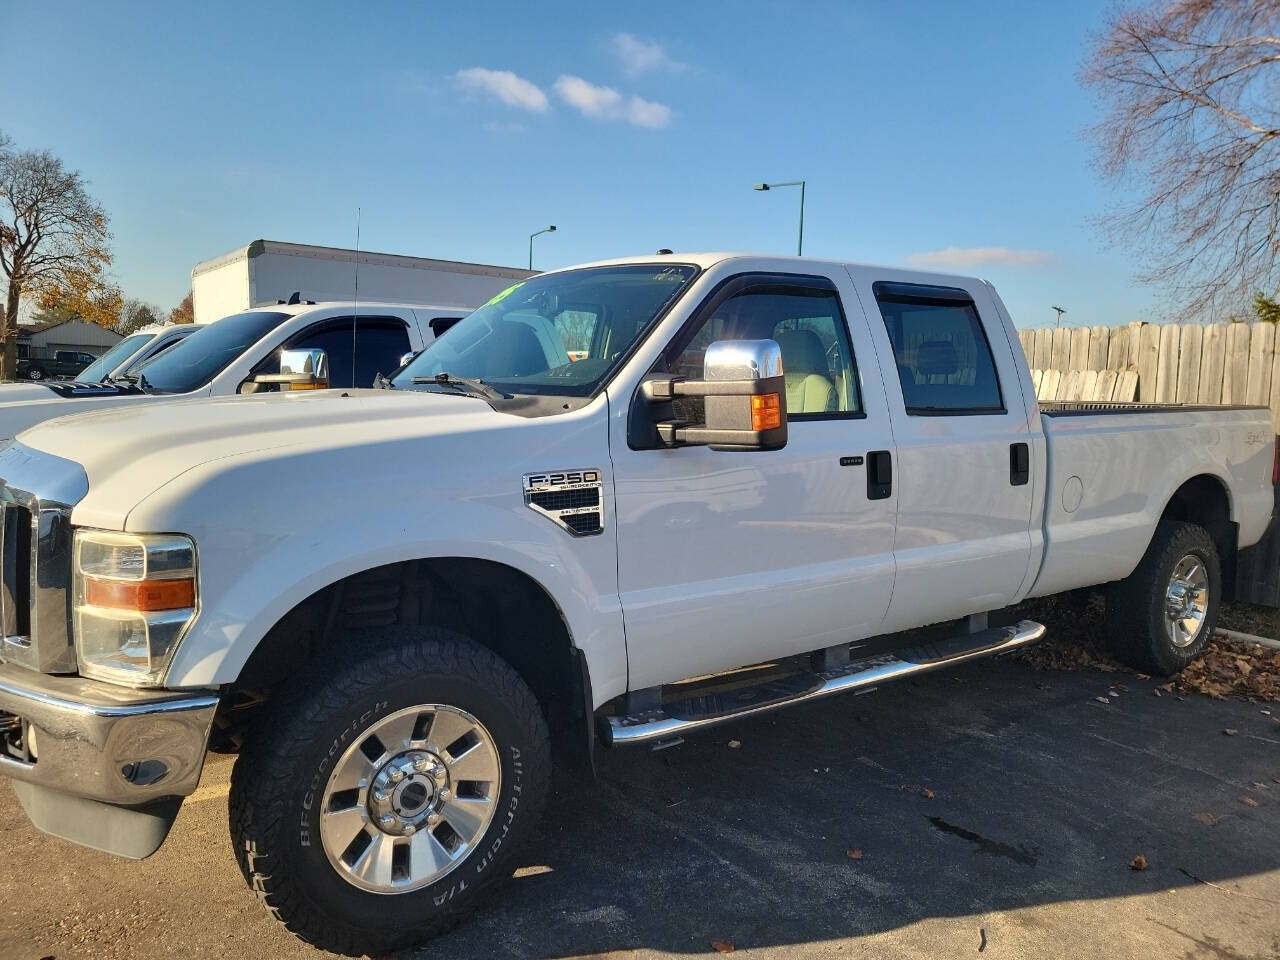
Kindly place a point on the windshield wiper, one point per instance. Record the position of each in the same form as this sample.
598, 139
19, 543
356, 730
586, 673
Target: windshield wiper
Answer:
463, 383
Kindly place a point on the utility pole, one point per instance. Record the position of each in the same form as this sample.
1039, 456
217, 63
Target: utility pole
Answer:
1060, 312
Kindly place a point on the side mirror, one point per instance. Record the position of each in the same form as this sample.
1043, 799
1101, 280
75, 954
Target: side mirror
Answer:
745, 399
300, 370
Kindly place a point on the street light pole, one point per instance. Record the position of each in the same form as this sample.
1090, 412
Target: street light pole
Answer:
550, 229
790, 183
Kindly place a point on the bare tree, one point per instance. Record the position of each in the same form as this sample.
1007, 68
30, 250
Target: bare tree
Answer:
134, 315
1193, 114
53, 236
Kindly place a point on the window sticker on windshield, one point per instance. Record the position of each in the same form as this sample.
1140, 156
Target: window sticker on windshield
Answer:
505, 293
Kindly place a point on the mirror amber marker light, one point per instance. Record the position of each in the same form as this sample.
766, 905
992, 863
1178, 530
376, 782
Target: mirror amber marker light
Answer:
766, 411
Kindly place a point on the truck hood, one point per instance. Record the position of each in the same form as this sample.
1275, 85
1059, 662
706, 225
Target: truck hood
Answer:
131, 450
24, 405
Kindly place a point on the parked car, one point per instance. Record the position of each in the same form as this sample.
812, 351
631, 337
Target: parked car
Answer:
63, 363
133, 351
228, 357
763, 481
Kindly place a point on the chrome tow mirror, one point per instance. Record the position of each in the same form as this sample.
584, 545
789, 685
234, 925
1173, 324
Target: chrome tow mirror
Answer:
300, 370
744, 398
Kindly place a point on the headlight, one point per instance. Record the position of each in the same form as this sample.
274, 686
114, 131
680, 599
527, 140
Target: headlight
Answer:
134, 598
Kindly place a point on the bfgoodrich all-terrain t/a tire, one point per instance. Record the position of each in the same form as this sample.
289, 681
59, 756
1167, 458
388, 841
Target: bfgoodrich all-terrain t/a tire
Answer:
387, 793
1162, 615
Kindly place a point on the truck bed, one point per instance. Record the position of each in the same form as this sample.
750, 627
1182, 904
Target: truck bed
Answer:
1112, 468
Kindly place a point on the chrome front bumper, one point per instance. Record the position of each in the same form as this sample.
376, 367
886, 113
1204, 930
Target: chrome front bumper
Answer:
102, 742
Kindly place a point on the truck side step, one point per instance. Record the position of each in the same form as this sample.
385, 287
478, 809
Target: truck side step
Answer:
677, 718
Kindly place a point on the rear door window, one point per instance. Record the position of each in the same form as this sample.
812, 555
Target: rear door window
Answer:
941, 351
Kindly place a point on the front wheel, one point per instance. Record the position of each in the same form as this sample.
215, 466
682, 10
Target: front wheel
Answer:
1162, 615
382, 801
35, 373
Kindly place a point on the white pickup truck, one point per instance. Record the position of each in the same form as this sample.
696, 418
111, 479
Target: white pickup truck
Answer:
618, 503
227, 357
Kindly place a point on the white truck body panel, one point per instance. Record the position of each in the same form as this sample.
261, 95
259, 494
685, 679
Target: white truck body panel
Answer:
1122, 470
180, 464
719, 559
24, 405
266, 272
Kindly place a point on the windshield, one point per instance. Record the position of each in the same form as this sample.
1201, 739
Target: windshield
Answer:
97, 371
559, 333
200, 357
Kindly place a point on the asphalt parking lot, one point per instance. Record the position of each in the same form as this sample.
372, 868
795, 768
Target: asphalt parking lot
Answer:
993, 810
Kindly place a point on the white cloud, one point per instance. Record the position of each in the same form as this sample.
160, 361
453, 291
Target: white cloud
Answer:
608, 104
504, 86
640, 56
961, 258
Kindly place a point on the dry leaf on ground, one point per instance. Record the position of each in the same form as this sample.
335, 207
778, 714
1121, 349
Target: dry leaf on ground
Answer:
1138, 863
1208, 819
927, 793
1226, 669
722, 946
855, 853
1250, 802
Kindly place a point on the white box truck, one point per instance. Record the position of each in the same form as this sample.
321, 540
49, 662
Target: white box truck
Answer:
266, 272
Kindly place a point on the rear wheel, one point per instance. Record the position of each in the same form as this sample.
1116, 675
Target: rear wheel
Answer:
387, 797
1161, 616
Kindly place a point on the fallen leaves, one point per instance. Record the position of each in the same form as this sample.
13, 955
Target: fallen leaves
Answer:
1230, 731
927, 793
1250, 802
722, 946
735, 744
1138, 863
1207, 819
1228, 669
854, 854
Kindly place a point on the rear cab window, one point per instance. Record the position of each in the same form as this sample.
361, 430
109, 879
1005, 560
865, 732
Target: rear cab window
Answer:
944, 361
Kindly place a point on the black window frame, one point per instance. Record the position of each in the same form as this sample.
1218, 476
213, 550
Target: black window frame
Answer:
768, 282
929, 295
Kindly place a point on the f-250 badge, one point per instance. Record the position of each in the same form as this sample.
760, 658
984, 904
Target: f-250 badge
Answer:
571, 498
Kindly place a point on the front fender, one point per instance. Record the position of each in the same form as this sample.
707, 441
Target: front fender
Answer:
263, 550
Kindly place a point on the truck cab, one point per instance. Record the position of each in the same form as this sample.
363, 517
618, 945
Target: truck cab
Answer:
229, 356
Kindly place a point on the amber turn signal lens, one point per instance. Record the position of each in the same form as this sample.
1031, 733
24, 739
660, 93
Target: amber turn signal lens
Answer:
766, 411
141, 595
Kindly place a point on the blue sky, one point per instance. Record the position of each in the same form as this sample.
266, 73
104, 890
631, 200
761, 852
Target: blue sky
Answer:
941, 133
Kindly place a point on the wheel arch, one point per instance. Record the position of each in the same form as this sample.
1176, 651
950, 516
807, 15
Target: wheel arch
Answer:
1205, 499
504, 608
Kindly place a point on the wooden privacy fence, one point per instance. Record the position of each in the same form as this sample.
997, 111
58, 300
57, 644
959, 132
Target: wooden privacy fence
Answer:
1158, 362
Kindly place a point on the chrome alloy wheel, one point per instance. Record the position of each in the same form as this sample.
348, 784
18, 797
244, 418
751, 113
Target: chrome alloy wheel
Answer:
1186, 603
410, 798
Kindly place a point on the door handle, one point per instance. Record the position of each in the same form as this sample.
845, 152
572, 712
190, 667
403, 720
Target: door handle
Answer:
879, 475
1019, 464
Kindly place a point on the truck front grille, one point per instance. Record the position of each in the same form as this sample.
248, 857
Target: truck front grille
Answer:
37, 493
15, 572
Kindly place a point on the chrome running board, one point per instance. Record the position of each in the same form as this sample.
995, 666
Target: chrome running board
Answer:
674, 719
